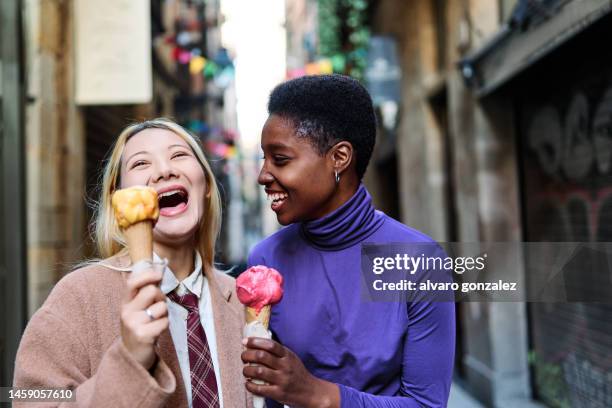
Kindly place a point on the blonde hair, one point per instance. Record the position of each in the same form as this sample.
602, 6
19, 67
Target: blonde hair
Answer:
108, 237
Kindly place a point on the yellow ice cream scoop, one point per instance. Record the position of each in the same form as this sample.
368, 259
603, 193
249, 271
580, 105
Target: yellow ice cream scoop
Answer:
135, 204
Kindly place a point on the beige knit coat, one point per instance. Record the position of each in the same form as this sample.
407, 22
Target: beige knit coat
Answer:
73, 341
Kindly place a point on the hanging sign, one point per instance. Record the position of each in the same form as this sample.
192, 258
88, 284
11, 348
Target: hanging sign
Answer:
113, 52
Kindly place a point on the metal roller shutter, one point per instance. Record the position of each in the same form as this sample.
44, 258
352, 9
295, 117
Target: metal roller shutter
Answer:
565, 125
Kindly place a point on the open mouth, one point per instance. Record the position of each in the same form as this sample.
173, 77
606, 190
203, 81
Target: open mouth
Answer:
278, 199
172, 202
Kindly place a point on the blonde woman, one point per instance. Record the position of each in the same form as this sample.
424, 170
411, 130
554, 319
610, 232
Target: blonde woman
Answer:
103, 331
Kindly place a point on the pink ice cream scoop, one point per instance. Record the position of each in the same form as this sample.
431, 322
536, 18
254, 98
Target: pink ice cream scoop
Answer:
259, 286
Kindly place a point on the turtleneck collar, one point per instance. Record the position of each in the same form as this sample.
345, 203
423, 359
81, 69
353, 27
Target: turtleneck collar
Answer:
353, 222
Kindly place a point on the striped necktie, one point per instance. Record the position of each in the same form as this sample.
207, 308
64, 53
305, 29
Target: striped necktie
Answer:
203, 380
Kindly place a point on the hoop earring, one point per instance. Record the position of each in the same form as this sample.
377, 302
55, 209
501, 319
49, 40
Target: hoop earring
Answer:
337, 176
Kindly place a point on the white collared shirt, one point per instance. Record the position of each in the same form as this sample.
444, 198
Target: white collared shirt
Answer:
197, 284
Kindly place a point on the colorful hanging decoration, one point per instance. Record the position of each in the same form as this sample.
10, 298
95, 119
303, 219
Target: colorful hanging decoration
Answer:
196, 65
186, 45
176, 52
185, 51
312, 68
198, 126
210, 70
225, 77
229, 135
320, 67
184, 57
220, 149
325, 66
338, 63
296, 73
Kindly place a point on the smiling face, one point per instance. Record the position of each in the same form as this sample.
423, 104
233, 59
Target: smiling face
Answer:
298, 180
163, 160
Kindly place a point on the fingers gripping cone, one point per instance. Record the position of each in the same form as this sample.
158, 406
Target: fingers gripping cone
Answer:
136, 210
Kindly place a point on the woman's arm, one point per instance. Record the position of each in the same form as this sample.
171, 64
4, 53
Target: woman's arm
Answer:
60, 347
429, 351
51, 355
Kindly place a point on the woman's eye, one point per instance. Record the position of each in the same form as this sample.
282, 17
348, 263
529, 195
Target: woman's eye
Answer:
179, 154
138, 163
280, 159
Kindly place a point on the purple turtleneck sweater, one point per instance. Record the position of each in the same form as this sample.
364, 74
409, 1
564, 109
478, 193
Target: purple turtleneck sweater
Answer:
381, 354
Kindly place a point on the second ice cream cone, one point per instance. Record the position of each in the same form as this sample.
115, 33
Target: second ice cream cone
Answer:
139, 239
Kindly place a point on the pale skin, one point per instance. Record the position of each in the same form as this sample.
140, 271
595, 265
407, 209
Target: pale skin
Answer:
160, 159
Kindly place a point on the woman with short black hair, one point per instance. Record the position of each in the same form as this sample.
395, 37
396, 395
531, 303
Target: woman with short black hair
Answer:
334, 349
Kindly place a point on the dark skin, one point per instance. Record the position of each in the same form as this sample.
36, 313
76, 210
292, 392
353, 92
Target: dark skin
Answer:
294, 167
288, 381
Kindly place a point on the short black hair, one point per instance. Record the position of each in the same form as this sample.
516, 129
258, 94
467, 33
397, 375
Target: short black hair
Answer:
328, 109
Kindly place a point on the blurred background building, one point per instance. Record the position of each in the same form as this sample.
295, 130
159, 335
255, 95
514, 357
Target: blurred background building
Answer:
495, 125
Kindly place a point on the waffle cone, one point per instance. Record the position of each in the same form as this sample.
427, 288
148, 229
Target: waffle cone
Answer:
263, 316
139, 238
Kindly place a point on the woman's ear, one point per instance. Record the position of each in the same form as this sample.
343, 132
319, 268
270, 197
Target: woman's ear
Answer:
208, 193
341, 155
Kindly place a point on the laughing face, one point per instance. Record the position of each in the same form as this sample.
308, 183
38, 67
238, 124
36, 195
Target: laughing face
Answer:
298, 180
163, 160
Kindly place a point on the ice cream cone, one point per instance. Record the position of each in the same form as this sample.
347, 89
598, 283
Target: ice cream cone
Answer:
139, 239
263, 316
258, 288
136, 210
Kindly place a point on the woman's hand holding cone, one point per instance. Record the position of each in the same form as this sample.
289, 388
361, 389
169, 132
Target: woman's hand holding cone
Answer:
285, 378
139, 329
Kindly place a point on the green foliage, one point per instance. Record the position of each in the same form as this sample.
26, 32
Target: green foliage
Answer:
344, 35
550, 381
329, 27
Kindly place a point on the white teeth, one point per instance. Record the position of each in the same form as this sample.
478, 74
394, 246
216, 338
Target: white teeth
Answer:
168, 193
277, 196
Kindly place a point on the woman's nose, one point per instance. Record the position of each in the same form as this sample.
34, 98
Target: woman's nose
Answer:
265, 177
164, 171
